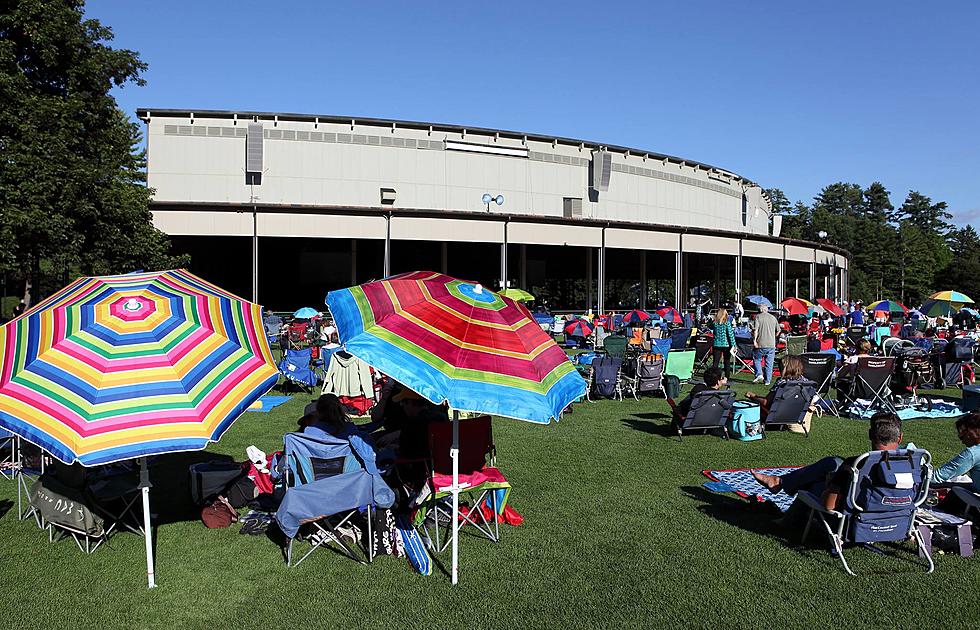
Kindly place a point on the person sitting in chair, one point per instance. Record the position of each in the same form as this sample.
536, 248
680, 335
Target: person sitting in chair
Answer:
830, 477
713, 379
327, 414
792, 372
967, 462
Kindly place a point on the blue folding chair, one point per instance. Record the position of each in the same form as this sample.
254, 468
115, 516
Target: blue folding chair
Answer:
296, 366
679, 338
885, 490
273, 327
328, 481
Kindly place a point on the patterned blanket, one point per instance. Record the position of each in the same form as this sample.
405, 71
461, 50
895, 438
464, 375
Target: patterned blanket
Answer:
741, 482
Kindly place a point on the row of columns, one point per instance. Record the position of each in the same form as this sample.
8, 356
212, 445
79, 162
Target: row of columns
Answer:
835, 283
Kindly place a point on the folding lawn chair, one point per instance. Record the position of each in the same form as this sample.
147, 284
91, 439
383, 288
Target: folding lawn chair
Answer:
615, 345
679, 338
660, 346
486, 488
743, 354
8, 454
791, 403
885, 490
328, 482
680, 363
606, 378
820, 368
854, 334
296, 367
702, 352
710, 409
648, 375
872, 382
795, 345
273, 327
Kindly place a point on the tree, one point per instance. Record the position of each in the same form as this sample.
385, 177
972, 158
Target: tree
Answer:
963, 271
72, 188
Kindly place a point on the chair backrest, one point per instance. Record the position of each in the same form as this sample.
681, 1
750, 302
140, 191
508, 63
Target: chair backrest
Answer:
961, 349
649, 372
680, 363
702, 347
661, 346
605, 374
475, 445
298, 357
615, 345
709, 409
885, 490
874, 373
856, 333
791, 402
819, 367
795, 344
745, 346
272, 324
316, 455
679, 338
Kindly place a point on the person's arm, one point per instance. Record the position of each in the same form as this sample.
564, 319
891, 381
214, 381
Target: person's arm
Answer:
955, 467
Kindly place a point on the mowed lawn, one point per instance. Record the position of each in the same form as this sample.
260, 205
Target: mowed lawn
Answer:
619, 533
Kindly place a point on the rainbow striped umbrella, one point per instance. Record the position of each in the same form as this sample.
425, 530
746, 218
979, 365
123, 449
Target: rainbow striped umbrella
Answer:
954, 297
456, 342
888, 306
121, 367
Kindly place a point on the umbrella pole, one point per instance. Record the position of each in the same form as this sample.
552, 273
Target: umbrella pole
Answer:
147, 535
454, 455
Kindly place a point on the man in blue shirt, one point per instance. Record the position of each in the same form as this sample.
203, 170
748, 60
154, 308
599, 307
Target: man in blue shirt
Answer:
856, 317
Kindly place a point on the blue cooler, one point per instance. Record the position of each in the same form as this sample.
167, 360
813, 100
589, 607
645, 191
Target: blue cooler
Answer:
746, 424
971, 398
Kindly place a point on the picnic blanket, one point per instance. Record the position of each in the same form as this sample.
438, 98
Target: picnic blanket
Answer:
939, 410
268, 403
741, 482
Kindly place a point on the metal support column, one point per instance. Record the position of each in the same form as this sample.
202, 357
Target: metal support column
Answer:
503, 261
444, 257
643, 280
602, 274
353, 261
679, 274
781, 285
813, 281
738, 274
523, 250
387, 262
588, 278
255, 255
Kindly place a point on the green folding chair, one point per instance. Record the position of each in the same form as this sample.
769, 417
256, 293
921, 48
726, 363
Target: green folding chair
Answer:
795, 345
615, 345
680, 363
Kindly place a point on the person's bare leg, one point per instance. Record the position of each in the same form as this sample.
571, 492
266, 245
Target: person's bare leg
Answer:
770, 482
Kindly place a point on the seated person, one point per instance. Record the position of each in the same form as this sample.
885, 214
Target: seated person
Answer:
968, 461
714, 378
829, 478
328, 416
792, 372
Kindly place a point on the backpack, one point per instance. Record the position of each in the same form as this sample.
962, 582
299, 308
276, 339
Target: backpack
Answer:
219, 514
745, 425
672, 386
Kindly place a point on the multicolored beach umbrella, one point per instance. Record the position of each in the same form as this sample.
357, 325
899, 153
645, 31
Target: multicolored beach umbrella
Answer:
119, 367
670, 315
636, 317
457, 342
578, 328
954, 297
888, 306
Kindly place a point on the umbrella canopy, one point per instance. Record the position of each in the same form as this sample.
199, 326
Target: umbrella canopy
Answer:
578, 328
888, 306
939, 308
951, 296
635, 317
119, 367
759, 300
831, 307
457, 342
670, 315
796, 306
518, 295
306, 313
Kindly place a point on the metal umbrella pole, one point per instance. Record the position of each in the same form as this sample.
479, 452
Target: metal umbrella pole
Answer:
454, 455
145, 486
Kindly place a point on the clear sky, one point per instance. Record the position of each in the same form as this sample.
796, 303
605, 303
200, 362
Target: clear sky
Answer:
794, 95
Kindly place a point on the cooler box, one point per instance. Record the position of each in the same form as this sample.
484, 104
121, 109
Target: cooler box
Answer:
211, 478
746, 423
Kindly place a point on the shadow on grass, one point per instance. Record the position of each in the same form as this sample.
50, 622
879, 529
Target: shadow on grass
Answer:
5, 507
645, 422
170, 497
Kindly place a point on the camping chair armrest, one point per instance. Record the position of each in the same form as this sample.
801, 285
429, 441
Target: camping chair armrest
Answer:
815, 502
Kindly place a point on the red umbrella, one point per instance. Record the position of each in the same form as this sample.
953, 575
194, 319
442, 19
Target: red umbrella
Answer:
670, 315
796, 306
578, 328
831, 307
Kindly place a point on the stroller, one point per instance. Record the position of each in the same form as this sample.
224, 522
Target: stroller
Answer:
913, 369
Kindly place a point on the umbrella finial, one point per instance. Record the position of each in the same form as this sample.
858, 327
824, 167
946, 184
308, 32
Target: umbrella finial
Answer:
132, 304
477, 288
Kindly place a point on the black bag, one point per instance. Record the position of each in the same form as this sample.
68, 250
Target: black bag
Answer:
672, 386
210, 479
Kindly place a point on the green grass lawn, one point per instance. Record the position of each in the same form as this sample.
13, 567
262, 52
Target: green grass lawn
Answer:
618, 533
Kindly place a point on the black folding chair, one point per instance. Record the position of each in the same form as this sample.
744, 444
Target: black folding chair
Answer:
709, 410
871, 381
790, 404
820, 367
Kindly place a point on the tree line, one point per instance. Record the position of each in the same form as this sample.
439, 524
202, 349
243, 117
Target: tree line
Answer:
904, 253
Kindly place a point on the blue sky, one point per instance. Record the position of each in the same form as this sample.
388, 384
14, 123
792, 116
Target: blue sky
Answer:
792, 95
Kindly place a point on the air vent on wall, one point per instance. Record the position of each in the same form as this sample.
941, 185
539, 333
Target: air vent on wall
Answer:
253, 148
572, 208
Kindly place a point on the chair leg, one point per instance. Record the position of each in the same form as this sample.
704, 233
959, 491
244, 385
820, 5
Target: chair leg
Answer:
370, 536
923, 549
806, 530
